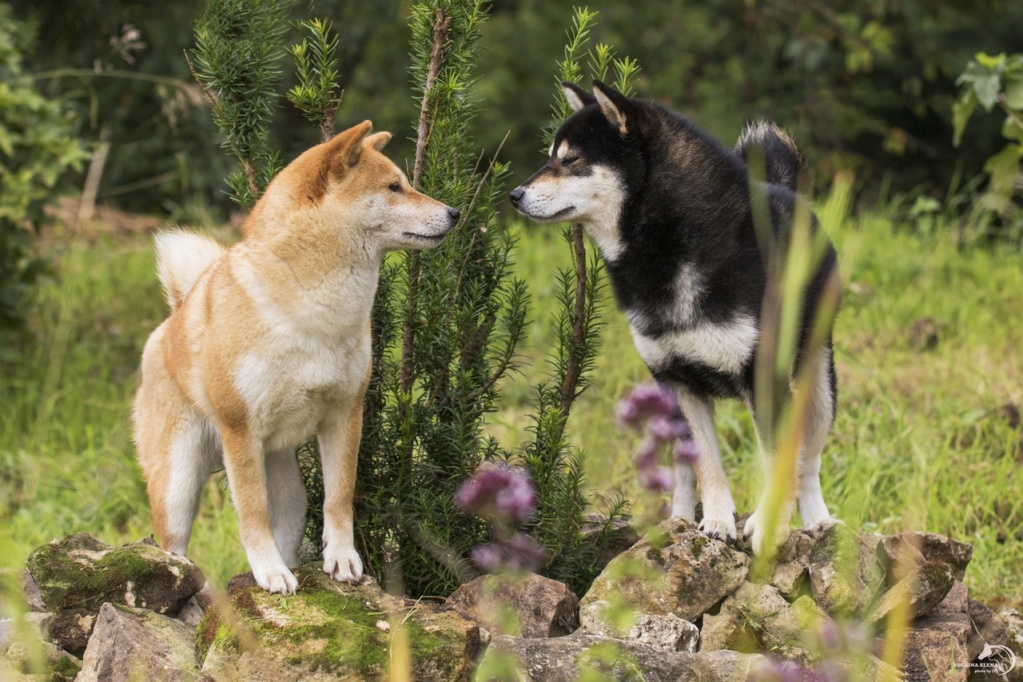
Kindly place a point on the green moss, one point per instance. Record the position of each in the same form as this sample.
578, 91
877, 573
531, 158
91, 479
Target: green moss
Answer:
65, 669
206, 633
434, 650
65, 582
698, 544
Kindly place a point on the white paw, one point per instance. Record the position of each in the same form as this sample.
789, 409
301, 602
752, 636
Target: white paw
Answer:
822, 524
275, 579
342, 563
720, 528
756, 530
815, 512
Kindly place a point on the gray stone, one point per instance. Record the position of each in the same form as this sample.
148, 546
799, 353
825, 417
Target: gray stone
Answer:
1012, 619
845, 572
30, 591
675, 569
199, 603
668, 631
562, 659
793, 561
617, 538
331, 631
529, 605
139, 644
986, 631
70, 630
16, 663
922, 590
936, 649
914, 547
758, 617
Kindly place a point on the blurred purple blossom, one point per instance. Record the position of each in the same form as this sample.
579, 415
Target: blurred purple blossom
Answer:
519, 553
771, 669
685, 451
657, 478
645, 401
500, 493
654, 408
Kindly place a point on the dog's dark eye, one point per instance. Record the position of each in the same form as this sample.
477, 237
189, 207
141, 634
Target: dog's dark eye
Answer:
569, 160
394, 187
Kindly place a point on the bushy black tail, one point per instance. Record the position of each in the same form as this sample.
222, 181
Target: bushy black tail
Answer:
782, 162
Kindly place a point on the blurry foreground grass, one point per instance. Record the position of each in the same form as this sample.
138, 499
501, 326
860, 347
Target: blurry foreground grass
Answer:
927, 346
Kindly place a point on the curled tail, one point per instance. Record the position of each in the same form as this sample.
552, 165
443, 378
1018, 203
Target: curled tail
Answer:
782, 161
181, 257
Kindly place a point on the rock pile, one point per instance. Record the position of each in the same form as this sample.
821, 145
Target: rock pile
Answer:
675, 605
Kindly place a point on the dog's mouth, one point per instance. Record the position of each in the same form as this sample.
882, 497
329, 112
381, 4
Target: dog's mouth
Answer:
553, 218
428, 238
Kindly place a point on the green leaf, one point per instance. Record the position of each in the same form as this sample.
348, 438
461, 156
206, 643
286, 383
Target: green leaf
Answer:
961, 112
1012, 130
992, 62
1014, 93
1004, 168
987, 88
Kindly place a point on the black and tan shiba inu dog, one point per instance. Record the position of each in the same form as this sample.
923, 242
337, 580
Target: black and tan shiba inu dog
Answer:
670, 211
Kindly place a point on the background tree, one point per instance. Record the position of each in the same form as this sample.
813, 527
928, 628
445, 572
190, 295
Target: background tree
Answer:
36, 148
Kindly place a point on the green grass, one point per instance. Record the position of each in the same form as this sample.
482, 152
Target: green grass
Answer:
919, 441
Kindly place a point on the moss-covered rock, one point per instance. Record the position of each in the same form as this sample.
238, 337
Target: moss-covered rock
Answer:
331, 630
80, 572
845, 572
675, 569
757, 618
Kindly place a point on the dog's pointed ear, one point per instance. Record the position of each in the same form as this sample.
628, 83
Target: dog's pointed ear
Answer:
378, 140
616, 107
347, 145
576, 96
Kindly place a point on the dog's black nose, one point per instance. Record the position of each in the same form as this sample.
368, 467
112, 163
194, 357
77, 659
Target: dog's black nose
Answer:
455, 214
516, 195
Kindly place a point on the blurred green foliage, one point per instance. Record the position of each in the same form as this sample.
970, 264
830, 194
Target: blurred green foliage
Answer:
36, 148
863, 85
989, 81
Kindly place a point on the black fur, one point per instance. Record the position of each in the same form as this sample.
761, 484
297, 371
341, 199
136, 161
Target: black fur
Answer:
688, 202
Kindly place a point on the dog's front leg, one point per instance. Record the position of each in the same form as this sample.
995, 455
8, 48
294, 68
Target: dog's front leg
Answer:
244, 461
339, 437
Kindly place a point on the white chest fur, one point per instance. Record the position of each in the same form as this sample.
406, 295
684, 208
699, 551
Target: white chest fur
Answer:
312, 359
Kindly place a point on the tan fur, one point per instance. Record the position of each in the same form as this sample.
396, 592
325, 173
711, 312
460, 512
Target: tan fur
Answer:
267, 343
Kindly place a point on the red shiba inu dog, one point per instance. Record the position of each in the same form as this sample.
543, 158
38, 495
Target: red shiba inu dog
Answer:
267, 343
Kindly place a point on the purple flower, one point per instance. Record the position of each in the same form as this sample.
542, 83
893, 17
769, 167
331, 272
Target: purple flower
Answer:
520, 553
657, 479
771, 669
647, 400
501, 493
667, 428
685, 451
646, 456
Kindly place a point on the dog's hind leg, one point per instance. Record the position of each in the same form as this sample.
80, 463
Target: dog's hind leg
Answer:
818, 426
683, 501
718, 507
287, 503
177, 450
755, 527
810, 500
